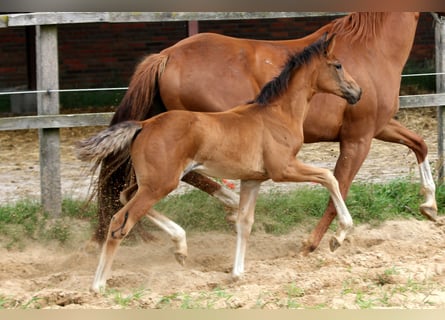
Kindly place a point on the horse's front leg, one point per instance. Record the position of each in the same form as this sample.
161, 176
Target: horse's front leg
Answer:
248, 196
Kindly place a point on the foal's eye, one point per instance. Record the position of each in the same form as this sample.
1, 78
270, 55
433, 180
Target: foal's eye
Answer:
338, 66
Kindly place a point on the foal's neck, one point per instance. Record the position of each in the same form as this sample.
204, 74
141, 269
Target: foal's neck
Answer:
294, 103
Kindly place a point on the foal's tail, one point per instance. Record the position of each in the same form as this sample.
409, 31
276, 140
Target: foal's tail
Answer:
143, 88
115, 140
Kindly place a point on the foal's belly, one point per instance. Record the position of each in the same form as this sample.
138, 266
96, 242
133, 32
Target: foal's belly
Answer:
233, 171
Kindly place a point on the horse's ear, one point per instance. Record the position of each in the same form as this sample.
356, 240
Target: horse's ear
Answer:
329, 45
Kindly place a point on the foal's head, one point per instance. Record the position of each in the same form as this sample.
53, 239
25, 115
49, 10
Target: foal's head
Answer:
327, 75
331, 76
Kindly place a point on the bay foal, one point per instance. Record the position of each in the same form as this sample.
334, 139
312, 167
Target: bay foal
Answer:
252, 142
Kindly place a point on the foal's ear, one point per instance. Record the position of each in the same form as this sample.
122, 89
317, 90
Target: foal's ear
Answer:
329, 45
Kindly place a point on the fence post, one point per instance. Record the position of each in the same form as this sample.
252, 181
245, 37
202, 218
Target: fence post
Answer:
48, 103
440, 87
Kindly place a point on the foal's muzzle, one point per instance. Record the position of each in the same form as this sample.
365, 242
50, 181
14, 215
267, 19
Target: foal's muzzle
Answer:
353, 96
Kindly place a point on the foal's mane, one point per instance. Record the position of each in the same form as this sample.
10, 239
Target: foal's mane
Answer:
359, 26
279, 84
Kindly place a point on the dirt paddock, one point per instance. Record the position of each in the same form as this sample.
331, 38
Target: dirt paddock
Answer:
399, 264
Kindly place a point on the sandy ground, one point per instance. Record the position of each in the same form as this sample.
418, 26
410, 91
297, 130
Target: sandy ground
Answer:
399, 264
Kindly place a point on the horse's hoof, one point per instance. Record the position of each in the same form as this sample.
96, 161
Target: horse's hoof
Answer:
334, 244
180, 258
307, 247
429, 212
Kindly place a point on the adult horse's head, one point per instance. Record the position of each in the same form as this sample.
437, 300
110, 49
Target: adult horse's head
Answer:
332, 76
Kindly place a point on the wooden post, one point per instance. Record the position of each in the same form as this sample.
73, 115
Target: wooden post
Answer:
440, 87
47, 104
193, 27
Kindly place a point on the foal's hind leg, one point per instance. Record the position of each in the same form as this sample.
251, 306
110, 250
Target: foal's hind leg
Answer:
228, 198
120, 225
175, 231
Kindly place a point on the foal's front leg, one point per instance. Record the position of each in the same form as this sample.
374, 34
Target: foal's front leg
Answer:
248, 195
300, 172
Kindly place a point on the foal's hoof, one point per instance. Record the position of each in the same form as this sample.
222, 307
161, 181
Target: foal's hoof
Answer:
231, 218
235, 277
428, 212
440, 222
180, 258
334, 244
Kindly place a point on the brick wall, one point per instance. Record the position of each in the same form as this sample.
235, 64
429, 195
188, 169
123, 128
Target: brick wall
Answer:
102, 55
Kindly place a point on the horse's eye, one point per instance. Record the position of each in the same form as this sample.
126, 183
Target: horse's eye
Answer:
338, 66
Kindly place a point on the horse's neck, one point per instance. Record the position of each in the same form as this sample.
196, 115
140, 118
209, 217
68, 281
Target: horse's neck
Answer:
397, 36
298, 44
390, 36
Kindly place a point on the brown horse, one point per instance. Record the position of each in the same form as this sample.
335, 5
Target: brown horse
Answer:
252, 142
210, 72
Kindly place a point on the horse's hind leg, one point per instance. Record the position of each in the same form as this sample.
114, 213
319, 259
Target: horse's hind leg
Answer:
397, 133
229, 199
175, 231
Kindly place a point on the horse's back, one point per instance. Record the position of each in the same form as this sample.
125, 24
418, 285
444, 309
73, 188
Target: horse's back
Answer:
201, 68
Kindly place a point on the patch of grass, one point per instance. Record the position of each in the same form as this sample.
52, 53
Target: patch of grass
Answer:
126, 300
375, 203
26, 220
294, 291
386, 277
276, 213
79, 210
194, 210
25, 214
215, 299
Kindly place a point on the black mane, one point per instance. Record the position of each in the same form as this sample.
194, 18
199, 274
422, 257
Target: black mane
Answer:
279, 84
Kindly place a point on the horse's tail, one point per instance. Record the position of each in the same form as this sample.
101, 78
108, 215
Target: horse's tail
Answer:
115, 140
142, 89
